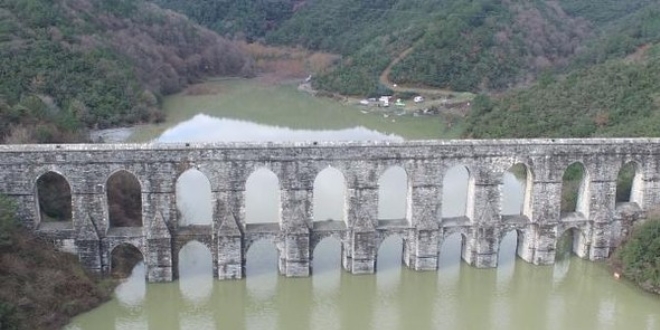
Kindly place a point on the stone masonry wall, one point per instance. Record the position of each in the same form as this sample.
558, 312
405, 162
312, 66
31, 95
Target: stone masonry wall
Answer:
599, 222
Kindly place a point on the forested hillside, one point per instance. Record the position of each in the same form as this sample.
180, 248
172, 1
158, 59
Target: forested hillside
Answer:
249, 19
615, 98
478, 45
67, 64
456, 44
611, 87
70, 64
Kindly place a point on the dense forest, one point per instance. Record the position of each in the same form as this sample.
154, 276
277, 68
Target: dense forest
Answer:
72, 64
478, 46
615, 98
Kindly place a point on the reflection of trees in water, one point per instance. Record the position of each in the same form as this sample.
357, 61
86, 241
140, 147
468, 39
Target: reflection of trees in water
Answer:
54, 197
124, 200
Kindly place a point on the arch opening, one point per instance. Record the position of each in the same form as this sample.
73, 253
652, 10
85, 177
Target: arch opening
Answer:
127, 263
326, 256
330, 202
450, 251
455, 188
124, 258
261, 259
195, 268
54, 199
629, 184
389, 263
508, 249
195, 259
124, 197
390, 254
393, 194
574, 189
263, 197
194, 198
261, 270
571, 242
516, 190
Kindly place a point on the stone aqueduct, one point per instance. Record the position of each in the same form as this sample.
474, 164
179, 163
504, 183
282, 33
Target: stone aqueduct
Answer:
599, 221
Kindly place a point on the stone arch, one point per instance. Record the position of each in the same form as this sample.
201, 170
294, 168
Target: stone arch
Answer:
578, 245
263, 197
385, 235
518, 202
194, 198
444, 251
53, 196
124, 199
324, 241
394, 194
457, 184
191, 247
195, 270
504, 232
317, 237
272, 239
330, 196
629, 184
123, 257
384, 260
507, 249
260, 262
575, 189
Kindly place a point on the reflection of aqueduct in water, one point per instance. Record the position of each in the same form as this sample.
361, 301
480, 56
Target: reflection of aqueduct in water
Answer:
599, 221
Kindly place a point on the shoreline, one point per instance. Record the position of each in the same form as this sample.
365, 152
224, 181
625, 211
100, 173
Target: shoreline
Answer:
112, 135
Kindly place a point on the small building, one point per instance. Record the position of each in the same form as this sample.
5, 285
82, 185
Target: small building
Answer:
418, 99
385, 101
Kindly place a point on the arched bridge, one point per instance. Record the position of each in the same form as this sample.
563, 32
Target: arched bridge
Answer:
598, 220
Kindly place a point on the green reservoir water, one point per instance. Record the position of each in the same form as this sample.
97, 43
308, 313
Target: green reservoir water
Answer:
571, 294
285, 106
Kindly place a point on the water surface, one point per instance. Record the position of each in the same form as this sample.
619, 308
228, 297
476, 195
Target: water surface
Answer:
572, 294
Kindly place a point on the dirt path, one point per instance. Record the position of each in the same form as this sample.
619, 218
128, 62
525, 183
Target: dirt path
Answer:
385, 76
384, 79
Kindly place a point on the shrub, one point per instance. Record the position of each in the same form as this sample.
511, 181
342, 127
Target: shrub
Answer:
640, 256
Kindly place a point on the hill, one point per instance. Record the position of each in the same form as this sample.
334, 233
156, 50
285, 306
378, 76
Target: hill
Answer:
620, 97
70, 64
458, 45
41, 288
477, 45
